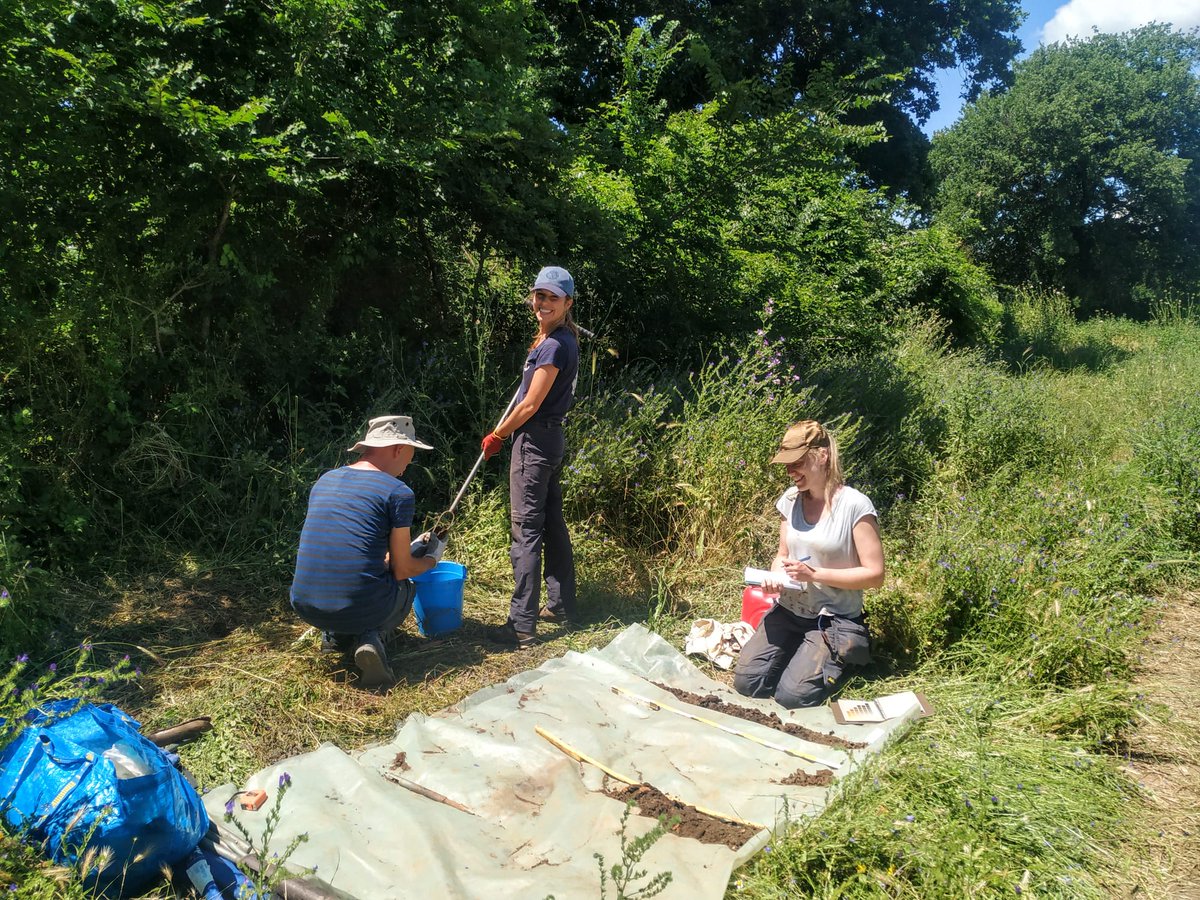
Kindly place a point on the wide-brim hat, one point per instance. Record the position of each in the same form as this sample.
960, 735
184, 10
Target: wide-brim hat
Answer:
387, 431
798, 440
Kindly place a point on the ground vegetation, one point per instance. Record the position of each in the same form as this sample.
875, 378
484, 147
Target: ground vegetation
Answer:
231, 233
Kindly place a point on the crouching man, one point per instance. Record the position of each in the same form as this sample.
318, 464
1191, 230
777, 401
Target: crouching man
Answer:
356, 554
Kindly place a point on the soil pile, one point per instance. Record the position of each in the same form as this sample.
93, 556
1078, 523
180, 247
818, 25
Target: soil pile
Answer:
715, 703
806, 779
691, 823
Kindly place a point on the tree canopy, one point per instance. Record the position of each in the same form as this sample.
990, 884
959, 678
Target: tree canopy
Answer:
1085, 175
764, 56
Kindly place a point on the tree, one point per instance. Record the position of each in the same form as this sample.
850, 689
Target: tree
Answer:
1085, 176
702, 221
765, 56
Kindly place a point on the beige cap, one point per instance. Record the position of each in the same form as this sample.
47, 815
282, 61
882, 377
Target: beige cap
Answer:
799, 439
385, 431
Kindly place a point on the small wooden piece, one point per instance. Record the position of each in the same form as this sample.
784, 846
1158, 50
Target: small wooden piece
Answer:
426, 792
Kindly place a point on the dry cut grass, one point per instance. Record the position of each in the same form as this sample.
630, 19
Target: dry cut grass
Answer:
1164, 754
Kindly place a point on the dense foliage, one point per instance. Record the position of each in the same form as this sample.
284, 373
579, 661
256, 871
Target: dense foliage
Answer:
1084, 177
762, 57
231, 231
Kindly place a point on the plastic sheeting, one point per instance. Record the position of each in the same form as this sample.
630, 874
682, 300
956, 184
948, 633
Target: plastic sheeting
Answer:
537, 817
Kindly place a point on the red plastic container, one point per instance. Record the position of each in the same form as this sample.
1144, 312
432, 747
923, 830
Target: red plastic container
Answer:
756, 604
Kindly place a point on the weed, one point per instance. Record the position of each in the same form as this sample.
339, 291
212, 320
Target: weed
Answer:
81, 680
626, 872
269, 871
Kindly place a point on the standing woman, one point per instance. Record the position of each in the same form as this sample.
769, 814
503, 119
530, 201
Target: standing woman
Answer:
829, 542
535, 492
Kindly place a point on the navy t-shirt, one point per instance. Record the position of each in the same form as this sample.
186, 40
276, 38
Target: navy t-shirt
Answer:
561, 350
341, 582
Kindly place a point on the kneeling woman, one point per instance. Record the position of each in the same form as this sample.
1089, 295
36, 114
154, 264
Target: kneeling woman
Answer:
828, 541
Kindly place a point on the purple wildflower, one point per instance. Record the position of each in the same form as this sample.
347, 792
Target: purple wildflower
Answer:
284, 780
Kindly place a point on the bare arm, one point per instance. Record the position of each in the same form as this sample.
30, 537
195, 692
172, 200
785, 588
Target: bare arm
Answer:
782, 553
539, 387
400, 559
867, 574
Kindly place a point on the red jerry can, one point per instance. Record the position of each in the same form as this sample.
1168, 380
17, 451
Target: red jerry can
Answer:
756, 604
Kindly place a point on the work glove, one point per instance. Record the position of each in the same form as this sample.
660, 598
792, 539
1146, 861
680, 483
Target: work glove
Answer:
428, 544
491, 445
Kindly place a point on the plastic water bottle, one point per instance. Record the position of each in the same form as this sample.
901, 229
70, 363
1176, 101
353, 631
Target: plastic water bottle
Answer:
201, 876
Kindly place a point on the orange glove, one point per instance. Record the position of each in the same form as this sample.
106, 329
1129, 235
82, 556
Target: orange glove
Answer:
491, 445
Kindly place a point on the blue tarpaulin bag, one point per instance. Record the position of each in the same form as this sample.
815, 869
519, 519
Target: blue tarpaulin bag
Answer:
85, 781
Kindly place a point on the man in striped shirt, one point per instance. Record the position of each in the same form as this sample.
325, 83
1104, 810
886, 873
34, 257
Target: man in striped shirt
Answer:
356, 553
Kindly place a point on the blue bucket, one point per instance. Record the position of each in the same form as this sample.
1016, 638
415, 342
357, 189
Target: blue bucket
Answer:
438, 605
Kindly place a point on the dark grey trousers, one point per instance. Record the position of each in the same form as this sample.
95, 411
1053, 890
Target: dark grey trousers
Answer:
541, 545
402, 603
800, 661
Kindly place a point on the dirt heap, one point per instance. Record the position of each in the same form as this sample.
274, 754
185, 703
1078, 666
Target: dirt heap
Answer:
800, 777
691, 823
715, 703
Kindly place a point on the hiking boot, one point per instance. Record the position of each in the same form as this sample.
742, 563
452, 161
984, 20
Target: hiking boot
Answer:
507, 635
372, 662
334, 642
555, 617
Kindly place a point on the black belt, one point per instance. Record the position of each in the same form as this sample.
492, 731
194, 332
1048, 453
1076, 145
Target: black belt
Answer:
553, 421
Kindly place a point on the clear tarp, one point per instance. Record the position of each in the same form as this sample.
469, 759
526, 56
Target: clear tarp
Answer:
534, 816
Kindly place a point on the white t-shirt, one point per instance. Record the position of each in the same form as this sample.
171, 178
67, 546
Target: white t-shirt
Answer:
830, 544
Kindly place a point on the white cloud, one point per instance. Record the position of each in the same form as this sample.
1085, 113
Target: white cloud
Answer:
1078, 17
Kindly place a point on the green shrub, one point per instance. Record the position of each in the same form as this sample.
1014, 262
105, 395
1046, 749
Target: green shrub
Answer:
930, 270
1037, 324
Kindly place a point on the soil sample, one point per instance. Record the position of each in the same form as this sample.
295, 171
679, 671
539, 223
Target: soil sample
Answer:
692, 823
715, 703
804, 779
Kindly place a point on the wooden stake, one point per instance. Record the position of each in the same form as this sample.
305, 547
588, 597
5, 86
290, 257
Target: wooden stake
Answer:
426, 792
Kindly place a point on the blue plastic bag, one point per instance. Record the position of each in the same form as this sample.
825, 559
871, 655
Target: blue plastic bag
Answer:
90, 781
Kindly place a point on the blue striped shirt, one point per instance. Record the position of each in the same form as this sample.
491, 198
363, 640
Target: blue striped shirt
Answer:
341, 581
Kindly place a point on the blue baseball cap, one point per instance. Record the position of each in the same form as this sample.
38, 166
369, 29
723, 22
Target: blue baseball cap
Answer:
556, 280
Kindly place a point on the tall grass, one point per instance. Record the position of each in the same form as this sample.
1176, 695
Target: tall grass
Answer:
1022, 575
1031, 507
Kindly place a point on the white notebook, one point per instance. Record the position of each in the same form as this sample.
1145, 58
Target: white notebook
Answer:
756, 576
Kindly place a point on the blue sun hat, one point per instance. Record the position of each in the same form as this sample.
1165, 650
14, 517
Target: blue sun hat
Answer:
556, 280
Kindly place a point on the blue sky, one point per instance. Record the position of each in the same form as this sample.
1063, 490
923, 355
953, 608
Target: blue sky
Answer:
1053, 20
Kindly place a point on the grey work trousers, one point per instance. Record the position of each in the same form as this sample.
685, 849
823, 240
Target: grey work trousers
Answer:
800, 661
541, 545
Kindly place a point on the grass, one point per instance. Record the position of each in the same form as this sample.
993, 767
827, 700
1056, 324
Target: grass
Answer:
1031, 519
